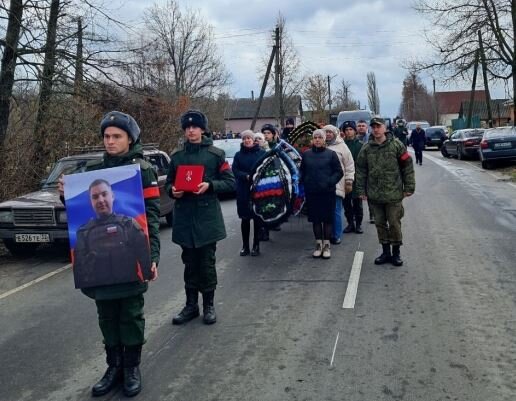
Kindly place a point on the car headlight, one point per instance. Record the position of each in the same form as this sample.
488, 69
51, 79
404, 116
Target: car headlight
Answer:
61, 216
6, 216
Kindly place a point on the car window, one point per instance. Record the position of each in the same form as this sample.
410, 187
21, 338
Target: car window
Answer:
70, 166
473, 134
159, 162
229, 147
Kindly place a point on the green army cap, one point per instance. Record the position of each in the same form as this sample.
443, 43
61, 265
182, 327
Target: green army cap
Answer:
377, 120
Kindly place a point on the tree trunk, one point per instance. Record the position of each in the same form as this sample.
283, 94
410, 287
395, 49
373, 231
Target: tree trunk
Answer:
8, 65
513, 9
42, 150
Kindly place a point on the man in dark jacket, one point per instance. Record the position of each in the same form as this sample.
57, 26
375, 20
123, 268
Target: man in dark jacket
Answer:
198, 222
401, 132
289, 127
120, 306
353, 209
385, 176
418, 141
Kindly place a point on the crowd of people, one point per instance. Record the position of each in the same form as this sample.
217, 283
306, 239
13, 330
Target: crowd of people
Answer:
340, 169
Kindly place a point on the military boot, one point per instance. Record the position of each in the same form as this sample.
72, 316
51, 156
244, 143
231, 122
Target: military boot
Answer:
396, 258
113, 374
191, 309
132, 375
385, 257
208, 309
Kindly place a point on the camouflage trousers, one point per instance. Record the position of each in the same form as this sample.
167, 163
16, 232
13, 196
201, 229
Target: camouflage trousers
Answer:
388, 222
200, 273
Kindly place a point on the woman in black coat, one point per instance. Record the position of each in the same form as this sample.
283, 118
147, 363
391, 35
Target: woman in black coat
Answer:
320, 172
243, 164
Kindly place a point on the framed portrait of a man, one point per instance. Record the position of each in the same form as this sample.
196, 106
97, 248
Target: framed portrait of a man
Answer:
107, 227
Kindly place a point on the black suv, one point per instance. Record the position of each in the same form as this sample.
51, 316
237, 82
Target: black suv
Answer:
39, 217
435, 136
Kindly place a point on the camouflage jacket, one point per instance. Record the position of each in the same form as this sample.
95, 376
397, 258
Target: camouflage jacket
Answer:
384, 171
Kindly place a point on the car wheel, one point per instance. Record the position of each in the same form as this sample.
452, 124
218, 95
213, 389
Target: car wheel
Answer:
459, 154
486, 165
444, 152
170, 218
20, 249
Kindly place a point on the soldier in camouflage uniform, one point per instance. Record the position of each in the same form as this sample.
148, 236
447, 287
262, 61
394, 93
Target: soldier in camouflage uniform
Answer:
120, 306
384, 176
198, 221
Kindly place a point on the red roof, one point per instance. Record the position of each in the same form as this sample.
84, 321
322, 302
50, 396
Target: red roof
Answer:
449, 102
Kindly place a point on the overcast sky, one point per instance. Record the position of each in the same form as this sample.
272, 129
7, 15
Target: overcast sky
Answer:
343, 39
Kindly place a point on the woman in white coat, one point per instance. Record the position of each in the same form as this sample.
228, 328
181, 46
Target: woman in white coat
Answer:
345, 185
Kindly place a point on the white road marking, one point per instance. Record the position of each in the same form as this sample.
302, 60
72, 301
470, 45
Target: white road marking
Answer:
354, 277
334, 349
35, 281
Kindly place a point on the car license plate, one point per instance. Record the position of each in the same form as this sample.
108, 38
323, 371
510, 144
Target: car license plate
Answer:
32, 238
503, 145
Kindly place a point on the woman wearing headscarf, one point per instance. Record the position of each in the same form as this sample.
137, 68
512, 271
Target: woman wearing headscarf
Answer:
320, 172
243, 164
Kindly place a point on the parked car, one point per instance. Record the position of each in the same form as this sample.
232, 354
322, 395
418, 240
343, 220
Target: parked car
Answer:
39, 217
436, 135
463, 143
229, 146
497, 144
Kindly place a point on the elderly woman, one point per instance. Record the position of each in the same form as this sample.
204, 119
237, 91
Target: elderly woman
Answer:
320, 173
243, 164
345, 185
259, 138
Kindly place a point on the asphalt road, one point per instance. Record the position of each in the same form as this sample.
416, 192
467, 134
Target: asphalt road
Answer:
441, 327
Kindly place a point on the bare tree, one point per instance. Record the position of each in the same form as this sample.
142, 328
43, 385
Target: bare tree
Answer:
344, 97
8, 64
372, 93
455, 37
416, 101
315, 94
186, 51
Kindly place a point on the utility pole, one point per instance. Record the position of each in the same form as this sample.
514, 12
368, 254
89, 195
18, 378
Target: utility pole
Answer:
78, 60
436, 117
264, 85
486, 84
472, 95
329, 96
277, 91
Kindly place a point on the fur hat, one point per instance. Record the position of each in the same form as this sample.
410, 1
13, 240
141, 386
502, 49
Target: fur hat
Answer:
195, 118
319, 132
259, 135
120, 120
331, 128
269, 127
247, 132
348, 124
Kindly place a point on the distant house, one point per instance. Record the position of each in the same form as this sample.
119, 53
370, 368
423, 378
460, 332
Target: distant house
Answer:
239, 113
449, 104
501, 110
